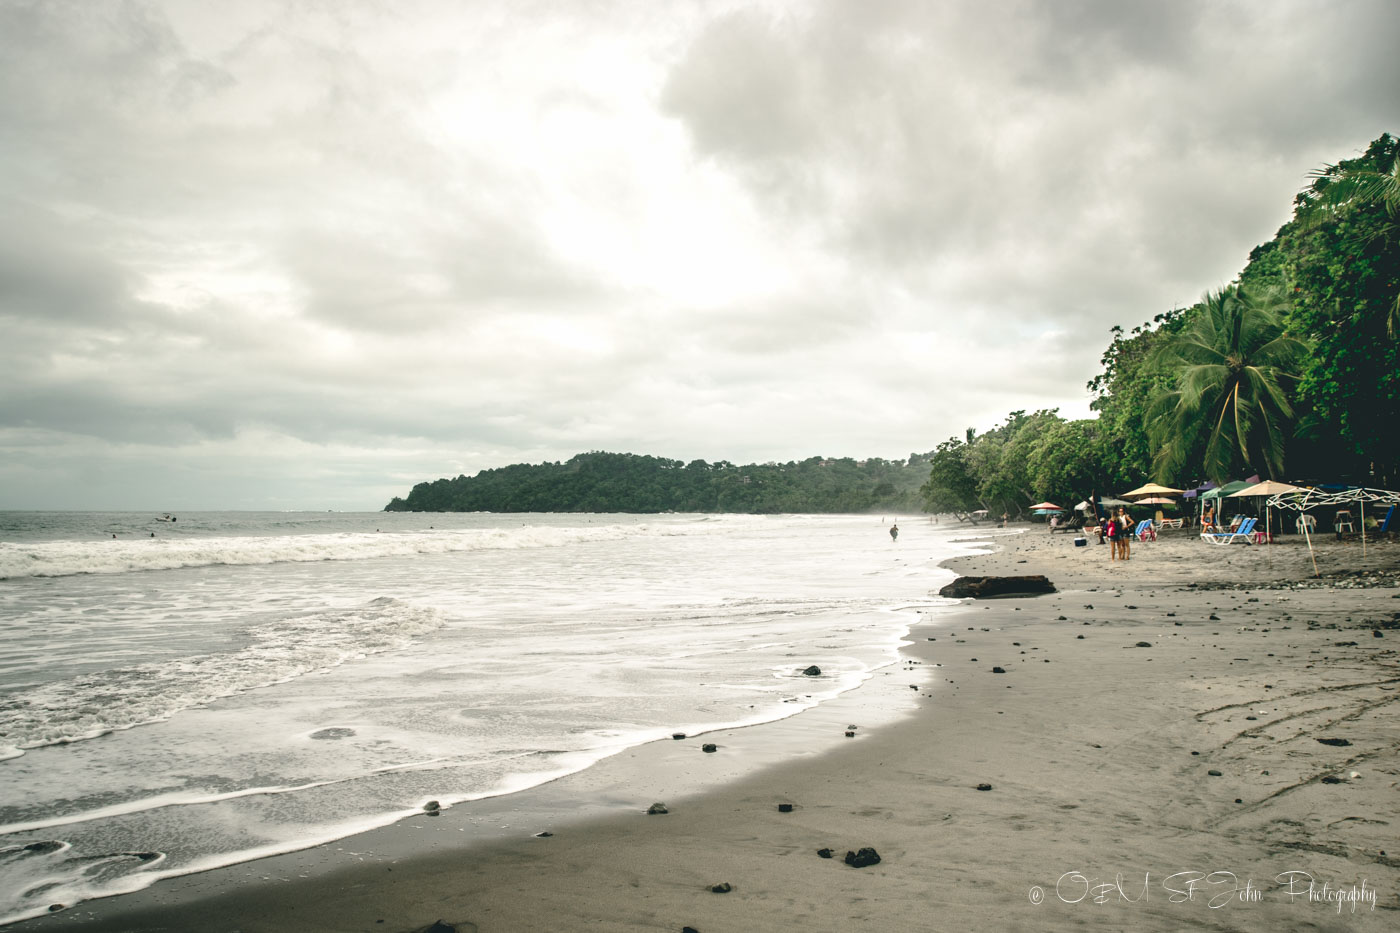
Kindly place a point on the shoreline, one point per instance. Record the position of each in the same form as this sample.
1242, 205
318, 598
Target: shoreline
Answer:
1086, 742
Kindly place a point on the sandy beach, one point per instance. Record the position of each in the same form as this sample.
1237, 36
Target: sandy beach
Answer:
1199, 738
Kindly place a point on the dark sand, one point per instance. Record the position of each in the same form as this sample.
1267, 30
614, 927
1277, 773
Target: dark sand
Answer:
1099, 754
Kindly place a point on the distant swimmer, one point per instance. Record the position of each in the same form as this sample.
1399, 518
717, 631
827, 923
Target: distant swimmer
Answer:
894, 532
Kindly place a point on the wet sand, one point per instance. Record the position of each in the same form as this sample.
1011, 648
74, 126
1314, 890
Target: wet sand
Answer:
1152, 750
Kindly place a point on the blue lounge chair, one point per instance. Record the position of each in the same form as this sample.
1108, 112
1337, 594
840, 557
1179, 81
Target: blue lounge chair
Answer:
1145, 531
1243, 533
1388, 524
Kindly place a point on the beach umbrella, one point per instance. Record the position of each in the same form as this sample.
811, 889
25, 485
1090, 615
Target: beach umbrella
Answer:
1047, 507
1153, 489
1267, 488
1083, 506
1112, 503
1156, 500
1221, 492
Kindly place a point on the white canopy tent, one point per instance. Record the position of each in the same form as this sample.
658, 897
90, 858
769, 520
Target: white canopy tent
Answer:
1302, 500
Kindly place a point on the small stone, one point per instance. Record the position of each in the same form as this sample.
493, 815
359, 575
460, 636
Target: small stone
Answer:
998, 670
1337, 742
709, 747
850, 734
55, 907
1331, 779
1080, 637
544, 835
984, 787
1144, 644
433, 807
824, 853
657, 808
724, 887
677, 735
784, 808
1214, 773
813, 671
866, 856
441, 927
333, 733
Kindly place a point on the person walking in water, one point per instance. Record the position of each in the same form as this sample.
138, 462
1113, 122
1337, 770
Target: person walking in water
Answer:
894, 532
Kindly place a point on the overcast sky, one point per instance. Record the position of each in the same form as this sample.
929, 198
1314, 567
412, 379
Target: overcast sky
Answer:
306, 254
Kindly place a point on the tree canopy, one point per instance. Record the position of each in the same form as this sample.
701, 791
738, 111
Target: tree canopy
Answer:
620, 482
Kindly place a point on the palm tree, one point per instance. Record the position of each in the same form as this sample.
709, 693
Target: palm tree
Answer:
1235, 369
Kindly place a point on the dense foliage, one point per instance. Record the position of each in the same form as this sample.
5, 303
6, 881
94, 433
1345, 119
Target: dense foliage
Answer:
1292, 372
610, 482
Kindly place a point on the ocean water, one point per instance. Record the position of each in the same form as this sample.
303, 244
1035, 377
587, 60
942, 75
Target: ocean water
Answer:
179, 695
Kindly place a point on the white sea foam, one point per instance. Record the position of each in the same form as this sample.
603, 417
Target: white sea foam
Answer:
120, 698
65, 558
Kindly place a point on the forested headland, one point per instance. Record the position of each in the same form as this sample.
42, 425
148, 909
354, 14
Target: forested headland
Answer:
1291, 371
620, 482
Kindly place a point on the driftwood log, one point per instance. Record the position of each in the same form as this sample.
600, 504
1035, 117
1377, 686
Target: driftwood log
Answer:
996, 587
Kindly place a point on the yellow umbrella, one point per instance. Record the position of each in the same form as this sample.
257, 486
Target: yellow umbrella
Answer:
1153, 489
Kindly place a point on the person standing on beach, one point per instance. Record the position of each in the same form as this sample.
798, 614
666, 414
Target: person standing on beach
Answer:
1110, 528
1125, 532
894, 532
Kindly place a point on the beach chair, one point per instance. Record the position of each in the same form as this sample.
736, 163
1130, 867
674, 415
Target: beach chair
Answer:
1145, 531
1388, 525
1172, 523
1243, 533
